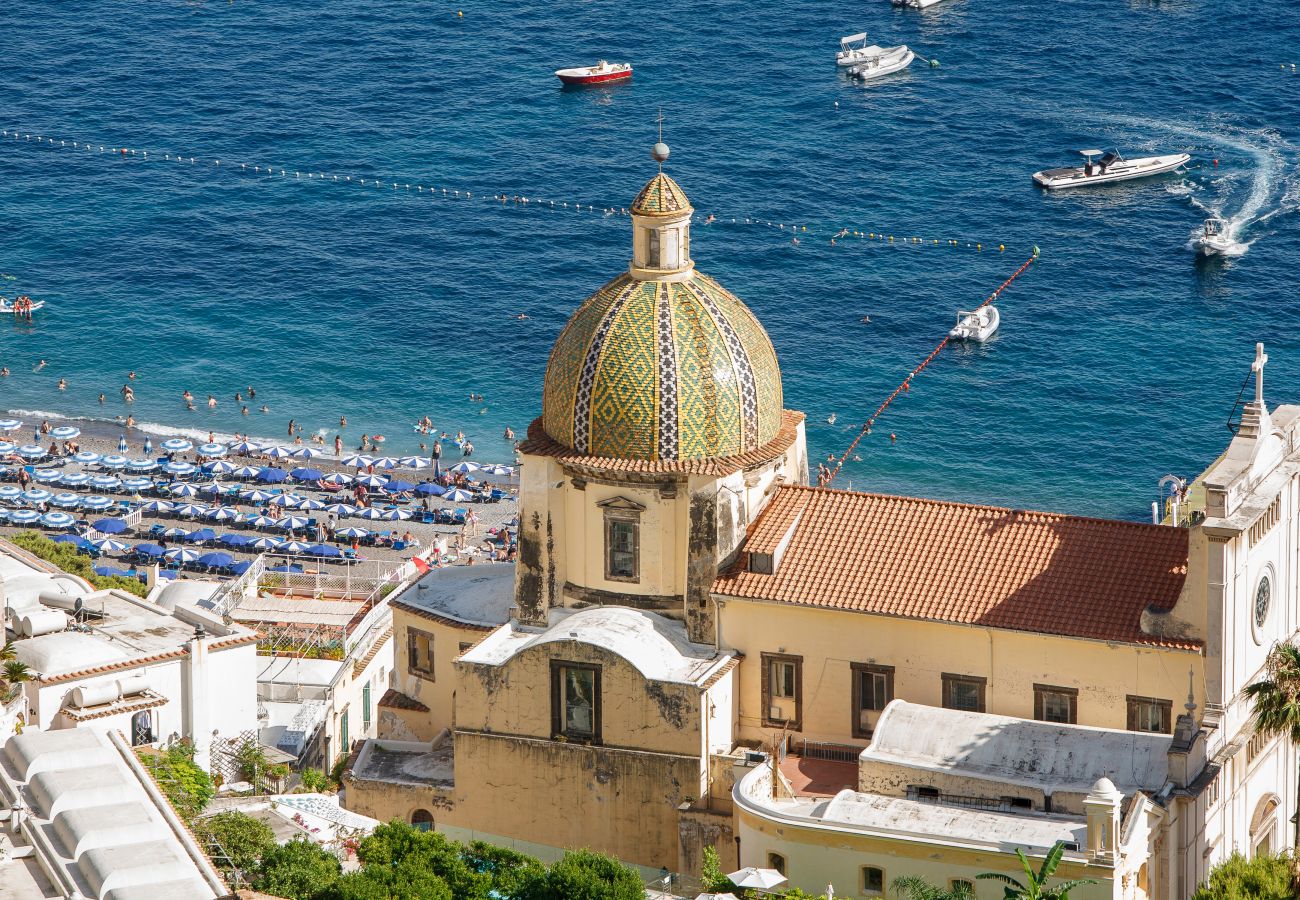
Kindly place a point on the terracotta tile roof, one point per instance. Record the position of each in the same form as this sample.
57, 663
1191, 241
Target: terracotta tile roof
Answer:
223, 644
539, 443
149, 700
954, 562
395, 699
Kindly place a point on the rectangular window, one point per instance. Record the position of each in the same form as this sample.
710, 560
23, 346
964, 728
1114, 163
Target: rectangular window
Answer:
1056, 704
964, 692
873, 881
575, 701
782, 690
776, 861
344, 744
621, 549
365, 707
873, 688
1150, 714
419, 653
653, 254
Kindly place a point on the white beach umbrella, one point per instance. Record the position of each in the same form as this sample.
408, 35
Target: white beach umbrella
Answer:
757, 879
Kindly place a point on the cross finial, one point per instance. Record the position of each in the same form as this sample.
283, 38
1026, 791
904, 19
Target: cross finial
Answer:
1261, 360
661, 124
660, 150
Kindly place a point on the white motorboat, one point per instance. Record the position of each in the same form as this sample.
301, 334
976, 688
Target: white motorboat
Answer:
978, 325
601, 73
1108, 166
854, 49
20, 306
885, 62
1216, 237
915, 4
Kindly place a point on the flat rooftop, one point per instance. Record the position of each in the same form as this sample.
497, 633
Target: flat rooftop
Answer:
481, 594
406, 762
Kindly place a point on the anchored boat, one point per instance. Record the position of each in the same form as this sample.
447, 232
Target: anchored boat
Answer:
885, 62
1102, 168
601, 73
915, 4
20, 306
978, 325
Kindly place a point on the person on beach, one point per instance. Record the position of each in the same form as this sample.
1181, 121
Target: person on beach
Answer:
435, 456
130, 421
365, 439
297, 440
467, 449
338, 445
291, 428
127, 394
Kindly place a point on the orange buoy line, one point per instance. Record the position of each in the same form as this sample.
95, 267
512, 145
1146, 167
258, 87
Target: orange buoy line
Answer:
828, 477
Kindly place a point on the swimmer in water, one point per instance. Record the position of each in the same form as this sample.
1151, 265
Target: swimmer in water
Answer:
63, 384
244, 410
101, 399
520, 316
130, 376
343, 421
40, 365
212, 402
265, 408
4, 373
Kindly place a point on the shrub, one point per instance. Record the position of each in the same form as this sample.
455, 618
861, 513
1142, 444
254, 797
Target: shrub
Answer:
298, 870
187, 786
66, 557
236, 842
1265, 877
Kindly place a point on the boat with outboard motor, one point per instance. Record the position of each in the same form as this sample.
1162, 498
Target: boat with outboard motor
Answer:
602, 72
20, 306
887, 61
1108, 166
915, 4
976, 325
1216, 237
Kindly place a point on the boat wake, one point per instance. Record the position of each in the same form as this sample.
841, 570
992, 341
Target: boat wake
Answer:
1260, 161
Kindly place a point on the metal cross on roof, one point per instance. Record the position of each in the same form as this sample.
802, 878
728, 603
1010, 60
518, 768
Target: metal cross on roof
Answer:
1261, 360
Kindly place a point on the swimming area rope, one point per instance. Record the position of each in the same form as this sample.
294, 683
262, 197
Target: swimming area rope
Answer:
827, 476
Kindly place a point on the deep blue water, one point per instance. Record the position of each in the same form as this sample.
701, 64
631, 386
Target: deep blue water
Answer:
1119, 358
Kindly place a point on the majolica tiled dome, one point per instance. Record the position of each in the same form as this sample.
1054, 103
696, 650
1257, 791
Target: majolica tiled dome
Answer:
661, 197
662, 370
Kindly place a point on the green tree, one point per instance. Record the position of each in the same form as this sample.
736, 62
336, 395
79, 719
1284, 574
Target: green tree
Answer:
585, 875
298, 870
509, 870
914, 887
14, 672
66, 557
1275, 700
1265, 877
315, 780
186, 785
711, 874
1035, 886
395, 854
236, 842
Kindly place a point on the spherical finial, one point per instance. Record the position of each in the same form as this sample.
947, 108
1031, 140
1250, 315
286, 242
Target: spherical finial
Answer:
659, 152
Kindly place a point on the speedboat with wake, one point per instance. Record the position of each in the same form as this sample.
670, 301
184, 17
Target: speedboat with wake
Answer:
1215, 238
915, 4
601, 73
1102, 168
978, 325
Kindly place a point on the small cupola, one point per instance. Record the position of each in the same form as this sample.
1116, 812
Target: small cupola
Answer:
661, 228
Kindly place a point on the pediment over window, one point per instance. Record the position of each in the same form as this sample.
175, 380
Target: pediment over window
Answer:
621, 504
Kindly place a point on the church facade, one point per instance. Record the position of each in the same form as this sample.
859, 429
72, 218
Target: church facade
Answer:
697, 648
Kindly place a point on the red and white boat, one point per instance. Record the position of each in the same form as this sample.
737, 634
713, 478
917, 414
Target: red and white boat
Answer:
601, 73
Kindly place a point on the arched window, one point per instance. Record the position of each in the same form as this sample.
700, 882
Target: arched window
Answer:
422, 820
1263, 824
142, 728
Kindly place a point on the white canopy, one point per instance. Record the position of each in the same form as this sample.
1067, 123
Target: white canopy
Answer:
1092, 152
853, 39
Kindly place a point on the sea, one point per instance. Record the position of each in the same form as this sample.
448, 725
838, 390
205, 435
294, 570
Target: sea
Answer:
223, 238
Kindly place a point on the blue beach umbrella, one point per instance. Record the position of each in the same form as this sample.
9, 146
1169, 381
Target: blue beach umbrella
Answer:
279, 452
292, 546
245, 447
24, 516
414, 462
499, 469
10, 424
179, 468
109, 526
341, 509
31, 451
356, 460
216, 489
177, 445
306, 452
235, 539
175, 532
75, 540
57, 520
241, 567
74, 479
456, 495
157, 506
66, 500
141, 465
261, 522
464, 468
212, 451
352, 532
110, 545
256, 495
121, 444
105, 482
372, 481
220, 467
190, 509
96, 502
398, 487
337, 478
87, 457
182, 490
10, 492
309, 503
286, 570
395, 515
324, 550
431, 489
269, 475
7, 447
110, 571
113, 461
181, 555
383, 462
149, 549
201, 535
291, 523
284, 500
36, 495
369, 513
223, 514
263, 543
216, 559
307, 474
47, 475
137, 484
65, 432
247, 471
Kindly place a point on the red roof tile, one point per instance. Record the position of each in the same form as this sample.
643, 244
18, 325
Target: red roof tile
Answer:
395, 699
955, 562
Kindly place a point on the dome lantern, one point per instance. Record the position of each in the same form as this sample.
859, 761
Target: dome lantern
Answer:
661, 228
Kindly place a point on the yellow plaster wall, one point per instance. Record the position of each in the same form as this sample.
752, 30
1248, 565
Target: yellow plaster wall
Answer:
516, 699
436, 693
829, 640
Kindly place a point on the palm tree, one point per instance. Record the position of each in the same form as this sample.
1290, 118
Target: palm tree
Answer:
1035, 885
914, 887
1275, 700
14, 673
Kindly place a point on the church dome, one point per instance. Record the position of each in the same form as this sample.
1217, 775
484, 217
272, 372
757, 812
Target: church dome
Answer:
662, 362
